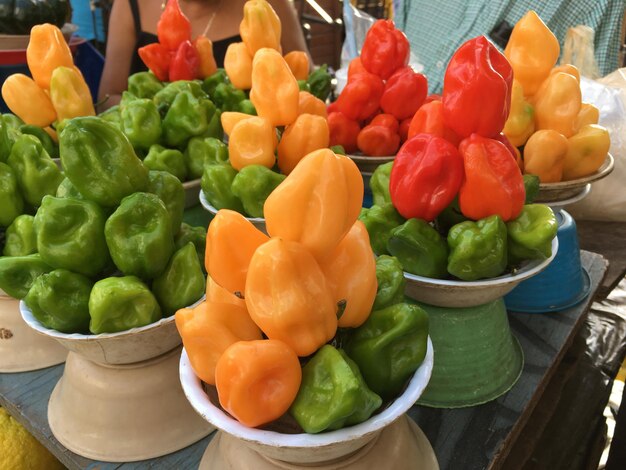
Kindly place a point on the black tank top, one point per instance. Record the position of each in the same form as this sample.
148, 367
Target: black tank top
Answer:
144, 38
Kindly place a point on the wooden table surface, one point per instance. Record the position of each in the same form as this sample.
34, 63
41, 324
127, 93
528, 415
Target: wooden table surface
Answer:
469, 438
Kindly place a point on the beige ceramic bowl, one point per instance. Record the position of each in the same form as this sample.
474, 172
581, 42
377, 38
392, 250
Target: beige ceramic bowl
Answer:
21, 349
192, 190
455, 294
305, 449
258, 222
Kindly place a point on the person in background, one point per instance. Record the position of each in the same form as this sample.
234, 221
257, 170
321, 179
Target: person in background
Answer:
133, 24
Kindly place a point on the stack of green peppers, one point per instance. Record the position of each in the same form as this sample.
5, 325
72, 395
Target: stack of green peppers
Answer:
345, 383
101, 237
455, 246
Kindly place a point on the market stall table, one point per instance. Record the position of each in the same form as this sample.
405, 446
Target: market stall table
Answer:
471, 438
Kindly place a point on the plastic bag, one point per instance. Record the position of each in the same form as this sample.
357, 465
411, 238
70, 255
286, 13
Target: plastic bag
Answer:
578, 50
607, 200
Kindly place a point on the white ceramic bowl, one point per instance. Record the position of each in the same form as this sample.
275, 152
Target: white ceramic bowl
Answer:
563, 190
558, 205
455, 294
192, 190
258, 222
304, 448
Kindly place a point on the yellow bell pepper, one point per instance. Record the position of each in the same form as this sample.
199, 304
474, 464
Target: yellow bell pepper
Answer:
588, 114
275, 92
230, 119
238, 65
260, 26
70, 94
207, 66
216, 293
532, 51
309, 104
567, 68
47, 50
251, 142
317, 203
558, 103
209, 329
351, 273
288, 297
298, 62
230, 243
309, 132
28, 101
544, 155
587, 152
521, 123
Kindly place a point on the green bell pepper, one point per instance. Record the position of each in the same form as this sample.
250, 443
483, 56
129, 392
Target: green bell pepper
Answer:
419, 248
182, 283
187, 117
5, 141
70, 235
203, 151
530, 235
450, 216
389, 347
12, 121
139, 236
37, 175
332, 393
478, 249
304, 86
216, 183
127, 98
214, 128
338, 149
391, 282
18, 273
11, 200
379, 184
141, 122
379, 222
46, 141
67, 190
170, 190
246, 107
210, 83
531, 185
20, 237
320, 82
113, 115
195, 235
165, 98
252, 185
227, 97
144, 84
60, 301
164, 159
121, 303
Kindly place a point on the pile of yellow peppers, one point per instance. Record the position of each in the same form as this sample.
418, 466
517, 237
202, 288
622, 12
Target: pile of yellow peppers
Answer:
559, 133
289, 287
57, 90
256, 64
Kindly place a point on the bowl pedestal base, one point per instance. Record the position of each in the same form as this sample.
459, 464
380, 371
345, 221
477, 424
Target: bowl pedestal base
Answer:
401, 446
123, 413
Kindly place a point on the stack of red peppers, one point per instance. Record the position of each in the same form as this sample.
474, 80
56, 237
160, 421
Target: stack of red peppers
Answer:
175, 56
373, 112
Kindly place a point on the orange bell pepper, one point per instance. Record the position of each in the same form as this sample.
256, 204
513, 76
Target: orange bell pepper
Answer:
238, 65
532, 51
288, 296
207, 66
208, 329
588, 114
586, 152
52, 133
309, 132
260, 26
351, 274
567, 68
429, 120
558, 103
544, 155
47, 50
521, 123
275, 92
298, 62
251, 142
317, 203
309, 104
257, 381
230, 119
228, 255
70, 94
216, 293
27, 101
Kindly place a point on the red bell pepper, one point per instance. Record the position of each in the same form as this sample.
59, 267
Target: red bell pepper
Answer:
404, 129
493, 183
385, 49
355, 67
360, 98
185, 63
426, 175
376, 140
404, 93
429, 120
173, 26
343, 131
432, 97
157, 58
386, 120
515, 153
477, 89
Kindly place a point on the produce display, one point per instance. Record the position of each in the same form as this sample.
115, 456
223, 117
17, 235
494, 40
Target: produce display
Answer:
19, 16
305, 321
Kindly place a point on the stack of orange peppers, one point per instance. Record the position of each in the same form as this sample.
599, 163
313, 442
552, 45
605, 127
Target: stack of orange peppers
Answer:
558, 132
57, 90
288, 288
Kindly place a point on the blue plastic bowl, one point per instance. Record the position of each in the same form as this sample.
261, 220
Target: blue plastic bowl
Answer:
563, 284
